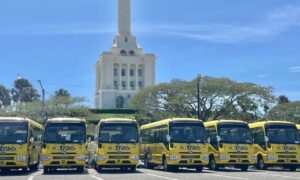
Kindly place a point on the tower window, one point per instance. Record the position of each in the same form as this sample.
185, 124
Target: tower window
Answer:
141, 85
116, 84
123, 52
131, 52
140, 72
132, 85
115, 72
126, 39
124, 84
123, 72
131, 72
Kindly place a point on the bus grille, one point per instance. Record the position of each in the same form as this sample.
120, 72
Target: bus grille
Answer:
118, 157
238, 156
63, 157
6, 158
286, 156
190, 156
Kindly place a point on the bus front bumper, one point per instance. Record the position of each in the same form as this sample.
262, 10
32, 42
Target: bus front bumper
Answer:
282, 159
14, 161
64, 161
188, 160
116, 160
236, 159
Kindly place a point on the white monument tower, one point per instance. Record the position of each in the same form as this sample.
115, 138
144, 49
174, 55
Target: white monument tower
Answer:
125, 69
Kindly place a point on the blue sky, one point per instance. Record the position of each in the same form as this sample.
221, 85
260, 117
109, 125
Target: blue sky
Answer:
59, 41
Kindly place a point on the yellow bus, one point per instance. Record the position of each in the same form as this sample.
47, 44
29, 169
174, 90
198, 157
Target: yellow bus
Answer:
277, 144
64, 144
20, 143
174, 143
298, 127
117, 144
231, 144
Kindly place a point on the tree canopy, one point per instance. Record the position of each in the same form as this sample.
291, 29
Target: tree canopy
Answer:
23, 91
289, 111
219, 98
5, 97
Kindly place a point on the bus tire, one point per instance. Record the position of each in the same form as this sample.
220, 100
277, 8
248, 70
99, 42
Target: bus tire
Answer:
244, 168
212, 164
148, 165
98, 168
133, 169
80, 169
261, 164
199, 168
25, 169
292, 168
46, 170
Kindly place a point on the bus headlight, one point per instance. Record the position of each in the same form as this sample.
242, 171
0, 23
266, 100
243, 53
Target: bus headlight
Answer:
101, 157
271, 156
81, 158
206, 157
45, 158
21, 158
135, 157
173, 157
252, 157
223, 156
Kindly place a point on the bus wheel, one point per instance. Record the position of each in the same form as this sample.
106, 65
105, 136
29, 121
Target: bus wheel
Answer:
46, 170
199, 168
133, 168
25, 169
212, 164
98, 168
165, 165
261, 164
80, 169
293, 168
244, 168
34, 167
148, 165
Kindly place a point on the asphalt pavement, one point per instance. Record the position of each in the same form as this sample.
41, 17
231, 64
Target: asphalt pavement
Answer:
145, 174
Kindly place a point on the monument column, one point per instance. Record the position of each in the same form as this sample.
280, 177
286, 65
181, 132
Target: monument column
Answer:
124, 24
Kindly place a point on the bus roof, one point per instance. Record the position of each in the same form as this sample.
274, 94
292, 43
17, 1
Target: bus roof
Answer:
214, 122
21, 119
64, 119
165, 121
270, 122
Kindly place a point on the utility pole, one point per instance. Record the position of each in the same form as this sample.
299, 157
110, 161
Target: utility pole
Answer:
43, 100
198, 95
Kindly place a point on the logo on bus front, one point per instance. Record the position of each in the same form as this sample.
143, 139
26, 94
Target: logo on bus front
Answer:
289, 148
241, 148
122, 148
67, 148
7, 149
193, 148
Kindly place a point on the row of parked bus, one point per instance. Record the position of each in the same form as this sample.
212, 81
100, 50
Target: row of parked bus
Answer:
170, 143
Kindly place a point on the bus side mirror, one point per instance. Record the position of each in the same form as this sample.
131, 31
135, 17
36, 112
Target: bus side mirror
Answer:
266, 138
218, 139
208, 140
168, 138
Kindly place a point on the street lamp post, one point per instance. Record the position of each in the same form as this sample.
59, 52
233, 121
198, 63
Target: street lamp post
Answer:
198, 95
43, 100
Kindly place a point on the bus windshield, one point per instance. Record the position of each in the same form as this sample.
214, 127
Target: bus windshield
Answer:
118, 133
282, 134
187, 133
13, 132
65, 133
235, 133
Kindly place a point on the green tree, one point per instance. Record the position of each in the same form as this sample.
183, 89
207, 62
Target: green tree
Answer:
62, 93
283, 99
23, 91
219, 98
285, 111
5, 97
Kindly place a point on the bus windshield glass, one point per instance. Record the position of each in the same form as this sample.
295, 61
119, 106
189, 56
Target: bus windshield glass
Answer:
13, 132
65, 133
118, 133
187, 133
282, 134
235, 133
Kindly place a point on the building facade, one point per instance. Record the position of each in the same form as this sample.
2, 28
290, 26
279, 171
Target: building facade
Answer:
125, 69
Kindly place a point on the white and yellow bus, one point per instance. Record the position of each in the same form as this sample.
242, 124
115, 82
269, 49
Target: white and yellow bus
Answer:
277, 144
231, 144
64, 144
174, 143
117, 144
20, 143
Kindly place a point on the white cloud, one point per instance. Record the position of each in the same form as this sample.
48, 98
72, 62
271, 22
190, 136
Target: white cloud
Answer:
294, 69
262, 76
